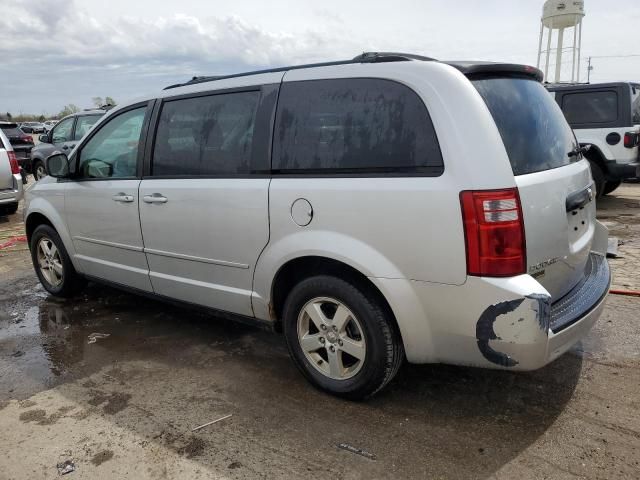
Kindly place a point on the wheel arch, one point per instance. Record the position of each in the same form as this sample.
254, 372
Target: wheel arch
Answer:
299, 268
41, 212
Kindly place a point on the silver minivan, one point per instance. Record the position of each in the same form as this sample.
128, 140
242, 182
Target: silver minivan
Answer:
384, 208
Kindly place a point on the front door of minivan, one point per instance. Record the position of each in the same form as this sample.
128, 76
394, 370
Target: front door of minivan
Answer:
204, 206
101, 202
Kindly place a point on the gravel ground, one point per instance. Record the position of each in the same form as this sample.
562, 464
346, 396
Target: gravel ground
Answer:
125, 406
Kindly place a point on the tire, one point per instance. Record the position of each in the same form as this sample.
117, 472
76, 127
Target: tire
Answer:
8, 208
610, 186
368, 332
39, 170
598, 178
62, 281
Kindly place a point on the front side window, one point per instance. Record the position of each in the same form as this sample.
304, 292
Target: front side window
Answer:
590, 107
354, 126
206, 136
84, 124
113, 151
62, 132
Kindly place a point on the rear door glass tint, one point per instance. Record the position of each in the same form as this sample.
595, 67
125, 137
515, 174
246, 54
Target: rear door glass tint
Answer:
533, 129
590, 107
354, 125
206, 136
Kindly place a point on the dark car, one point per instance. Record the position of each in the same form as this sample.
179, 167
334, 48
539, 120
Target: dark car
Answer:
21, 142
63, 137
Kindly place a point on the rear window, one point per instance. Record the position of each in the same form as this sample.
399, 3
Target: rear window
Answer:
590, 107
12, 131
533, 129
354, 126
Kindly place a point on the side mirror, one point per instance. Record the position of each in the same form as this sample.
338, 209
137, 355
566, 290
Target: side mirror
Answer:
58, 165
44, 138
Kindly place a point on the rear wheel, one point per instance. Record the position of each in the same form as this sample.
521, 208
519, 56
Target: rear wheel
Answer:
598, 178
9, 209
39, 171
52, 263
341, 337
611, 186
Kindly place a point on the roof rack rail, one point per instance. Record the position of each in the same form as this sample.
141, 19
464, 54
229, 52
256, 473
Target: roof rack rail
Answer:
365, 57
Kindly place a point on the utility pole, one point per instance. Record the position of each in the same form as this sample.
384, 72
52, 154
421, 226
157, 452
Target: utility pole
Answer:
589, 68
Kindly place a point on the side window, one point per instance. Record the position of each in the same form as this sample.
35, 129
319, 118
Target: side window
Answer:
354, 125
590, 107
206, 136
635, 104
84, 124
62, 132
113, 151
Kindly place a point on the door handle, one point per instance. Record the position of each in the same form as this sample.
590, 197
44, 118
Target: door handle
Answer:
123, 197
155, 198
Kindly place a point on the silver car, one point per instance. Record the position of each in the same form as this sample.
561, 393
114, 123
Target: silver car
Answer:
384, 208
10, 178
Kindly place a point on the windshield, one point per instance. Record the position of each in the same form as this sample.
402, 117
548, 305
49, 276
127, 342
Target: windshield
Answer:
533, 128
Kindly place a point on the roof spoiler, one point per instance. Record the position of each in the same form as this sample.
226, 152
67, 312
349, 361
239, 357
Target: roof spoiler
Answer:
472, 69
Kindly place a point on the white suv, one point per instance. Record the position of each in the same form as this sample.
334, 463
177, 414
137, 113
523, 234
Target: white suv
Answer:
605, 117
376, 209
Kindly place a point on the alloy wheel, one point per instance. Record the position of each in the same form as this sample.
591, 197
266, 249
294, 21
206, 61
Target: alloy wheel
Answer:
331, 338
50, 262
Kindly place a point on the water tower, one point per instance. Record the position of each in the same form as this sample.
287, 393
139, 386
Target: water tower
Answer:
558, 16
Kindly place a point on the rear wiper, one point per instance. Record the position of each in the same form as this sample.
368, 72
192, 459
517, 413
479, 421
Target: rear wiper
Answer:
579, 151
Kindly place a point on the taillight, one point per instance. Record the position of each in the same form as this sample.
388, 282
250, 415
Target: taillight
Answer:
27, 138
494, 232
13, 161
631, 139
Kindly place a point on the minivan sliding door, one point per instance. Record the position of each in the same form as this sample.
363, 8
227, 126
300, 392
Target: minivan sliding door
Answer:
204, 206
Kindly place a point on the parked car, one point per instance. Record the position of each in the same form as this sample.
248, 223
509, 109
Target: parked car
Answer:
11, 189
63, 136
22, 143
376, 209
32, 127
605, 117
48, 125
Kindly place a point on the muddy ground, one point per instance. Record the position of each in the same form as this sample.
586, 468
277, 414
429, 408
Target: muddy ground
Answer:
125, 406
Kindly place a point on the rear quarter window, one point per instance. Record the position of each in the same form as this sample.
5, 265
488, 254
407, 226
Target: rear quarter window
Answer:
635, 104
590, 107
354, 126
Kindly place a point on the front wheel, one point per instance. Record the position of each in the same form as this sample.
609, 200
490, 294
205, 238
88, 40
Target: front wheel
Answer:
52, 263
341, 337
598, 178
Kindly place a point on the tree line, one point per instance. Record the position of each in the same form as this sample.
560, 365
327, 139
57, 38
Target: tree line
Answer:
66, 110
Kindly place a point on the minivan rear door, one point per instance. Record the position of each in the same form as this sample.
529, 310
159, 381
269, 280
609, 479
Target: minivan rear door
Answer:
554, 182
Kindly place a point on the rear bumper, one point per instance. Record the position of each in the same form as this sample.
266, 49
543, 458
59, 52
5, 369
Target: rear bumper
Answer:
13, 194
503, 323
621, 171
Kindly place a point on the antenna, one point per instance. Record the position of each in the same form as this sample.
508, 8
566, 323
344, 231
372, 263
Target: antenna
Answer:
558, 15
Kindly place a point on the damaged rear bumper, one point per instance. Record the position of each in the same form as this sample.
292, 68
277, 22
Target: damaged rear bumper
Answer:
507, 323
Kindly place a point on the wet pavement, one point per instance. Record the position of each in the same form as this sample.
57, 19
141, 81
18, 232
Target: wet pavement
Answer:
125, 405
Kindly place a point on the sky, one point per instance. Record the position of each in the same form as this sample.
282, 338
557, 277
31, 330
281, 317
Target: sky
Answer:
55, 52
